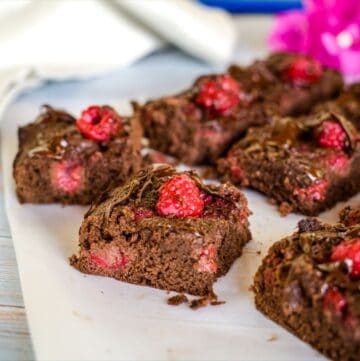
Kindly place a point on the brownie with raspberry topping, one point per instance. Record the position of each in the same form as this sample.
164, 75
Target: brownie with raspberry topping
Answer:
309, 283
289, 84
164, 229
61, 159
199, 124
304, 164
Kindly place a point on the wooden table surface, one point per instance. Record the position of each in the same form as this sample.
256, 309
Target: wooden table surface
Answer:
15, 342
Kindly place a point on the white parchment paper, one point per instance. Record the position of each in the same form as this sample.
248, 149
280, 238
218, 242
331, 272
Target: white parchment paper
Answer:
78, 317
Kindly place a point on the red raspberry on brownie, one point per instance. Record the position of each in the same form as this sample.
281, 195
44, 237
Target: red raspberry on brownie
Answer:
331, 134
180, 197
303, 71
99, 123
220, 93
156, 220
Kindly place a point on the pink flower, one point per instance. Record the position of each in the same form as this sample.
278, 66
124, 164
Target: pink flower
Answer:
328, 30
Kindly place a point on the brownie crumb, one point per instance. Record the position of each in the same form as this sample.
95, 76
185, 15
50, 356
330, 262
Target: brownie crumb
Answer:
210, 299
272, 338
217, 303
199, 303
177, 300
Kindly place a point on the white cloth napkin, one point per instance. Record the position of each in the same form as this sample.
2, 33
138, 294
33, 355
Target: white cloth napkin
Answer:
42, 39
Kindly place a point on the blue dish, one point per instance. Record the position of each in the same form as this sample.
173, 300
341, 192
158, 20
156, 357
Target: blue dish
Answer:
254, 6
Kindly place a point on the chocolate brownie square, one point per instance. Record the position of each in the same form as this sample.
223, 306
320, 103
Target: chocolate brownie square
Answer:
304, 164
309, 283
199, 124
164, 229
61, 159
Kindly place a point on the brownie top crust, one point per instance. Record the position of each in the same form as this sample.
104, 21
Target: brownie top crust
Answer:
216, 99
300, 142
140, 195
55, 134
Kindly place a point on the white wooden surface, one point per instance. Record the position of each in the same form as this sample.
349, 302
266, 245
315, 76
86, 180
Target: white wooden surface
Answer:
15, 341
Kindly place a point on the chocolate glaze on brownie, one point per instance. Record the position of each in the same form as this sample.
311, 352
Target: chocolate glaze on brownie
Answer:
124, 237
187, 127
286, 162
302, 286
57, 163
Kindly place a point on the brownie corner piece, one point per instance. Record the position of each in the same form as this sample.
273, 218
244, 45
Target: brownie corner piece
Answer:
61, 159
309, 283
305, 164
164, 229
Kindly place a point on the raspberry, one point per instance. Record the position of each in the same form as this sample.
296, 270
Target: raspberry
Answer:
334, 301
349, 252
207, 261
180, 197
110, 257
337, 162
99, 123
141, 213
315, 192
331, 134
220, 94
67, 176
303, 71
